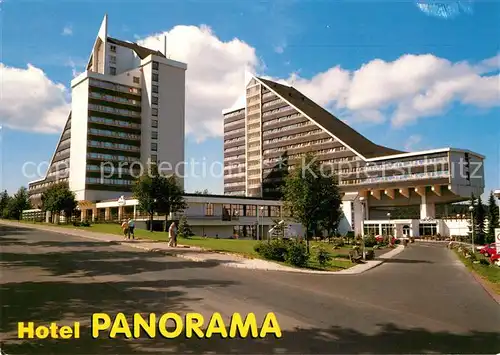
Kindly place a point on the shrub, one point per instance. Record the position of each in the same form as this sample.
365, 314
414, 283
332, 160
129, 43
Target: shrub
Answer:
370, 255
338, 242
275, 250
398, 241
370, 241
85, 224
323, 256
484, 262
77, 224
297, 254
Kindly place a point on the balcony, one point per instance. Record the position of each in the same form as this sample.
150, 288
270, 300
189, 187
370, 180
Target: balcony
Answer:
115, 87
116, 99
115, 111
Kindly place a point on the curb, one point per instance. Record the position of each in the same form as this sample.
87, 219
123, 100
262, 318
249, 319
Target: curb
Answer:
355, 270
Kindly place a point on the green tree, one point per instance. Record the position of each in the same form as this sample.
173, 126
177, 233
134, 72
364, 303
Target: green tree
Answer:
493, 215
308, 194
157, 193
18, 203
59, 198
202, 192
479, 217
145, 193
170, 196
184, 229
332, 205
4, 203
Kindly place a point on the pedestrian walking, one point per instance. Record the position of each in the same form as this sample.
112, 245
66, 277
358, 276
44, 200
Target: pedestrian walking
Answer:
125, 229
131, 227
172, 231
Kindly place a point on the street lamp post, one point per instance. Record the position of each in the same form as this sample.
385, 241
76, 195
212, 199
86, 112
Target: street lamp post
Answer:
262, 217
258, 222
390, 228
471, 209
362, 200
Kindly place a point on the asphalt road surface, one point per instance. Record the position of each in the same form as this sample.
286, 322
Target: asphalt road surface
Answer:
423, 301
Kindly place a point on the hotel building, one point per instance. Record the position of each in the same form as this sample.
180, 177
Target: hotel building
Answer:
127, 109
267, 132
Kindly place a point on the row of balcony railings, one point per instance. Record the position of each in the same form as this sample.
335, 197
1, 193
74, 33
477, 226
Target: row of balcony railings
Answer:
115, 87
111, 98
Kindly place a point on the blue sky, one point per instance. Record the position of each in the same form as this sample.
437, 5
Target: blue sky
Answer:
404, 78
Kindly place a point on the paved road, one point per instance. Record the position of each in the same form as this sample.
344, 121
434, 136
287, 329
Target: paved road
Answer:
423, 301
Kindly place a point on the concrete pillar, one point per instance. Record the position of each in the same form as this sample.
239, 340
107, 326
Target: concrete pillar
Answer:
47, 217
94, 214
83, 215
427, 209
135, 211
107, 213
120, 213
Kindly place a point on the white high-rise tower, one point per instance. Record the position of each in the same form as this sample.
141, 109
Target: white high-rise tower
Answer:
127, 109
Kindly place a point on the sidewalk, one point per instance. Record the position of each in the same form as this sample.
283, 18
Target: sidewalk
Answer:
198, 254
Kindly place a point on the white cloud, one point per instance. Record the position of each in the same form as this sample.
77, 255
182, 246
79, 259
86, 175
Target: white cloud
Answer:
405, 90
280, 48
412, 142
401, 91
215, 75
67, 30
31, 101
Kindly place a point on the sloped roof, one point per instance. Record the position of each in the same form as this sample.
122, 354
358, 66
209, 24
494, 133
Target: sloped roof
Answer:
141, 51
332, 124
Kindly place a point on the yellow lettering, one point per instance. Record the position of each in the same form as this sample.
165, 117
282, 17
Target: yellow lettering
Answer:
149, 327
100, 321
66, 332
194, 321
22, 329
42, 332
77, 330
53, 331
120, 326
270, 325
216, 325
237, 324
162, 325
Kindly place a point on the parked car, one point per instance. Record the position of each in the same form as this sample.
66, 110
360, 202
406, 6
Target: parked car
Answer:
488, 250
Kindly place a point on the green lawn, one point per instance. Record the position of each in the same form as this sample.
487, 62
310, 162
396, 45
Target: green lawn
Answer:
489, 273
244, 247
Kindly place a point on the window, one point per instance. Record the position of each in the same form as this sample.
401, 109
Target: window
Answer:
371, 230
136, 80
112, 59
427, 229
154, 135
112, 48
155, 88
154, 147
155, 77
154, 123
112, 70
275, 211
209, 209
154, 158
155, 65
154, 100
251, 211
154, 111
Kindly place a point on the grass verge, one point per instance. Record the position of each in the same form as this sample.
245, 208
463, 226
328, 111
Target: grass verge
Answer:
489, 273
